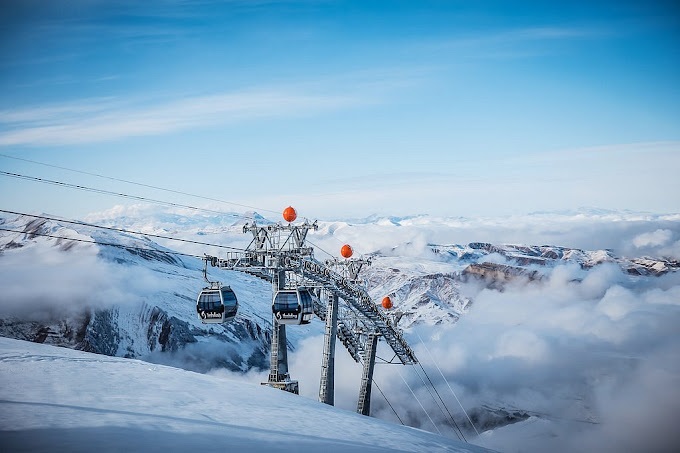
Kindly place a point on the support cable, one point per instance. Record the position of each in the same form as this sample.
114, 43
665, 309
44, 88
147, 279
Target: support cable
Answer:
109, 244
111, 178
122, 230
444, 404
311, 243
447, 383
453, 425
136, 183
388, 402
115, 194
421, 404
149, 186
385, 397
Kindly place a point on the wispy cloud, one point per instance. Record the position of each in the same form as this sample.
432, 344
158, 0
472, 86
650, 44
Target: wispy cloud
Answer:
50, 113
98, 120
513, 43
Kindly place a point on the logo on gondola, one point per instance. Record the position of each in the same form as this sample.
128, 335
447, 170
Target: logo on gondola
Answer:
280, 315
208, 315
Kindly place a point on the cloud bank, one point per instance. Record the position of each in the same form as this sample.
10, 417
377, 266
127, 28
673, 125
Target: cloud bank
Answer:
625, 233
591, 358
41, 282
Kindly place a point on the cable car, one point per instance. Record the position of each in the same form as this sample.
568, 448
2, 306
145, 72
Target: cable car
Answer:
216, 304
293, 306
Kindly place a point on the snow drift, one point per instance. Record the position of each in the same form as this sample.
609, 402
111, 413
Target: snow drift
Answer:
56, 399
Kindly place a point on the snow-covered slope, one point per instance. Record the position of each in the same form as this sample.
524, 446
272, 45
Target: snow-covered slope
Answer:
56, 399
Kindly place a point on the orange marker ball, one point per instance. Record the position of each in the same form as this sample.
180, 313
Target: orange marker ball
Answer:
289, 214
387, 302
346, 251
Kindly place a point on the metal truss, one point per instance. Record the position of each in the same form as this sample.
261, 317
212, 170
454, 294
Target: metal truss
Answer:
279, 248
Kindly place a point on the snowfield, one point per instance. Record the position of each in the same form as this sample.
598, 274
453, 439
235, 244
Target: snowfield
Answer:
58, 399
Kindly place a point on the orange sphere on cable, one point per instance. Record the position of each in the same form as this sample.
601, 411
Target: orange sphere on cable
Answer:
289, 214
387, 302
346, 251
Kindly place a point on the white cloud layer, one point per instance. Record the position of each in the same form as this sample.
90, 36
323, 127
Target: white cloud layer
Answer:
596, 358
45, 283
654, 239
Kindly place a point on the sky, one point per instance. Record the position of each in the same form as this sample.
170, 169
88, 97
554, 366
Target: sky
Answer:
343, 108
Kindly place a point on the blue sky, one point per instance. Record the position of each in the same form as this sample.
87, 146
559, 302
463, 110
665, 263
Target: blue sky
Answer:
345, 108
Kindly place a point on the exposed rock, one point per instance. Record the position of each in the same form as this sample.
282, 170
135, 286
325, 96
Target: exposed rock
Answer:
497, 274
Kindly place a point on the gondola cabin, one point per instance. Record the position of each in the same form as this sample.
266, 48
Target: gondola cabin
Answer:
293, 306
217, 304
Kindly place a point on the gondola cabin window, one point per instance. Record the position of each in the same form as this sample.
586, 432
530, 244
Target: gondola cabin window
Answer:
230, 302
286, 302
210, 302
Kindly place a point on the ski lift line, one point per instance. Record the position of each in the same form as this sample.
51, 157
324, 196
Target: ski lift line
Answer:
115, 194
381, 361
454, 426
149, 186
421, 404
320, 248
447, 383
111, 178
109, 244
387, 401
387, 362
339, 241
121, 230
